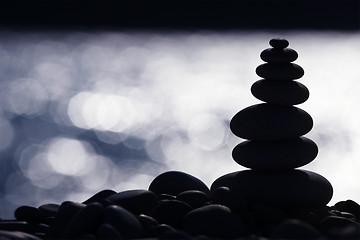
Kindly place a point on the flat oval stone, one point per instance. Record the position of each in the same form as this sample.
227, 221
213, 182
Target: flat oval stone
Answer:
275, 155
274, 55
280, 92
280, 71
49, 209
285, 190
136, 201
194, 198
271, 122
28, 213
214, 220
175, 182
279, 43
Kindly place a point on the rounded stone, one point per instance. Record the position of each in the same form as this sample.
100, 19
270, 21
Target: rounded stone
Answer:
280, 71
28, 213
275, 55
280, 92
279, 43
136, 201
349, 206
49, 209
194, 198
175, 182
148, 223
285, 190
85, 221
275, 155
65, 213
223, 196
68, 209
106, 231
271, 122
123, 221
214, 220
98, 197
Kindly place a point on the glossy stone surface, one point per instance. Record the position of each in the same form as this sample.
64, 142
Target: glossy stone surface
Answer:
280, 92
85, 221
280, 71
275, 155
99, 196
271, 122
49, 209
123, 221
175, 182
274, 55
285, 190
136, 201
194, 198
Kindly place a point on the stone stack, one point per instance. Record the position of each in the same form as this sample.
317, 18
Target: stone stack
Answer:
275, 145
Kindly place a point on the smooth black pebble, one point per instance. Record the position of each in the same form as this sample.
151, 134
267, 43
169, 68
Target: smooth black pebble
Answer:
278, 189
28, 213
280, 92
275, 55
271, 122
175, 182
280, 71
275, 155
123, 221
279, 43
136, 201
194, 198
213, 220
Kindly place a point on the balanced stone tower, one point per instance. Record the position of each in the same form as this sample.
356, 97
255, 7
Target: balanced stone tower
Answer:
275, 144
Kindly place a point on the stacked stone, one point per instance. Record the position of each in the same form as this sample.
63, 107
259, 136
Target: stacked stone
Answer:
275, 144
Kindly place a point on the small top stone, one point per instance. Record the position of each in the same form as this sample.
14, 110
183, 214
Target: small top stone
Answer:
279, 43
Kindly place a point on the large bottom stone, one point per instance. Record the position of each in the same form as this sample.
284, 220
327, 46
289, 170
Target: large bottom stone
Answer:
286, 190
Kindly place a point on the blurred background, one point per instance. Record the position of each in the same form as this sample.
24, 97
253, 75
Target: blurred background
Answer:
102, 95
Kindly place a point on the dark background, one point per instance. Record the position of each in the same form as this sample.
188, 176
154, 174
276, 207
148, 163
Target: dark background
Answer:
181, 14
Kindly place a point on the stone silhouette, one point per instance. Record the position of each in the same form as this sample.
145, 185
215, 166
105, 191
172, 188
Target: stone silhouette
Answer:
273, 200
275, 145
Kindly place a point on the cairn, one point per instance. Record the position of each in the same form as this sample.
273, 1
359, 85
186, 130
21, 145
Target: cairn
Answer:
275, 144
